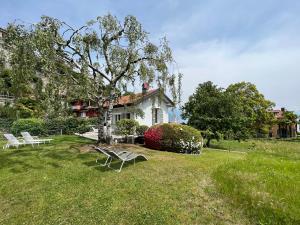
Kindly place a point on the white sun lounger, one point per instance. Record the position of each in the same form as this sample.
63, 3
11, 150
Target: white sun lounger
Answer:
12, 141
123, 156
30, 140
103, 150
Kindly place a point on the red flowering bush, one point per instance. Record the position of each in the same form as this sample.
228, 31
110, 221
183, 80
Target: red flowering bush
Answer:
173, 137
153, 136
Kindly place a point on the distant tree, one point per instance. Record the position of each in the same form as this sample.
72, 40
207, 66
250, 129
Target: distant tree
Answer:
252, 107
289, 118
105, 55
209, 110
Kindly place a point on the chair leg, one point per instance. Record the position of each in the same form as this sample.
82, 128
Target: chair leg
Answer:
119, 170
106, 162
109, 162
121, 166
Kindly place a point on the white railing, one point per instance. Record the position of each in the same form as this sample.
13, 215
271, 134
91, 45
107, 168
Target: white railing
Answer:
6, 98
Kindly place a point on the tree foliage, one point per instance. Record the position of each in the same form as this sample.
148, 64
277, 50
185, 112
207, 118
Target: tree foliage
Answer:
289, 118
237, 112
253, 107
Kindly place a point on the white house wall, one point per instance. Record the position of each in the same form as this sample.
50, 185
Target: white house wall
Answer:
146, 106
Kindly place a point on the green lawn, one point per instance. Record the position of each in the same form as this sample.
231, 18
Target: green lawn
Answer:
59, 184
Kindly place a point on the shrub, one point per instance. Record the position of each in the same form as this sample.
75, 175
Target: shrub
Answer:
126, 126
173, 137
5, 124
140, 130
153, 137
92, 121
58, 125
69, 125
33, 126
8, 112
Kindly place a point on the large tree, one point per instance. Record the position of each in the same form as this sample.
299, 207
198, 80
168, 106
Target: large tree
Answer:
253, 106
210, 110
238, 111
39, 89
105, 57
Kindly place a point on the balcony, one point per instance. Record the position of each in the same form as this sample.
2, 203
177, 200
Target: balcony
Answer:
6, 98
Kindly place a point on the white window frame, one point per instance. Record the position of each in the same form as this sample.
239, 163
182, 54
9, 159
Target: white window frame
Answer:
117, 117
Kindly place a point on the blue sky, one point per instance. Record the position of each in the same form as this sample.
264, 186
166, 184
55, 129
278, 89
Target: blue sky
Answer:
224, 41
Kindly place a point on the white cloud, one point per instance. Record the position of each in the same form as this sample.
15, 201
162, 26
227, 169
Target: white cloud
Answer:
228, 44
274, 68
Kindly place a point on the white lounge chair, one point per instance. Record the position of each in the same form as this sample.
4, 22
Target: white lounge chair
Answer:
123, 156
12, 141
95, 130
31, 140
104, 151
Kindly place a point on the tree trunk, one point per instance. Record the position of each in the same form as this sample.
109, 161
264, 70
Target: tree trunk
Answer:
100, 126
208, 142
109, 139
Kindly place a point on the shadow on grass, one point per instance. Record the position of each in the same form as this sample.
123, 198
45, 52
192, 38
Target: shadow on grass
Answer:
33, 158
290, 140
218, 147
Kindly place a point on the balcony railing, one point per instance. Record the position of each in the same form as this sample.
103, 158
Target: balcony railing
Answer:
6, 98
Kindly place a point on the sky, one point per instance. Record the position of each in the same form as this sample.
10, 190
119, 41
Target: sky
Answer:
223, 41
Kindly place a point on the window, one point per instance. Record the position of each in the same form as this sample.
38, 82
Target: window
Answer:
117, 117
127, 116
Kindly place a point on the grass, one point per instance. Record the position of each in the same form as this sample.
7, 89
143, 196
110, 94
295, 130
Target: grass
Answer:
60, 184
266, 183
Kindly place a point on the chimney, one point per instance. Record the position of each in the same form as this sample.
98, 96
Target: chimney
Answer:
145, 88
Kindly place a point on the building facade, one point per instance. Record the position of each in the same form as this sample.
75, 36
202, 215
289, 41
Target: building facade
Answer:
148, 108
281, 129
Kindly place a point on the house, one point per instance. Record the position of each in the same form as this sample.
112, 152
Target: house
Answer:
281, 128
154, 105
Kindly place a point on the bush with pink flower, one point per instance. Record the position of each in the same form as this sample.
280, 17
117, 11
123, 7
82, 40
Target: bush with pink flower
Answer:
174, 137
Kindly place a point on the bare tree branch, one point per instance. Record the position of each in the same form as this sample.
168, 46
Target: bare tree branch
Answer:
89, 65
107, 42
128, 67
74, 33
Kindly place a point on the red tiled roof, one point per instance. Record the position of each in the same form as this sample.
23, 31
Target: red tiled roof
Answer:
124, 100
130, 99
277, 113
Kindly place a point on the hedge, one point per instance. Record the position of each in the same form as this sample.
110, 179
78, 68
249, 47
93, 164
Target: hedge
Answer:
69, 125
173, 137
33, 126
